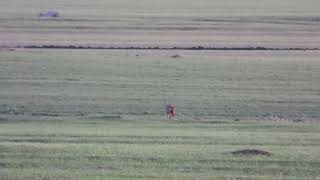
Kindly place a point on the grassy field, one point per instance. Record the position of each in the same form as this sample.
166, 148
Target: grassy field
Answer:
267, 23
237, 84
147, 147
99, 114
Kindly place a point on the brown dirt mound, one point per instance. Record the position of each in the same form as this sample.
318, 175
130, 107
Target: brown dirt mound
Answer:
251, 152
176, 56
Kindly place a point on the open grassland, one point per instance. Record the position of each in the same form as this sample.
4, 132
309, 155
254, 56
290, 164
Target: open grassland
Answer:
145, 147
69, 114
98, 114
235, 84
166, 23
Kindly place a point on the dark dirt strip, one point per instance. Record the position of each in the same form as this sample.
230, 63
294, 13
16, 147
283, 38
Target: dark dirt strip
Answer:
195, 48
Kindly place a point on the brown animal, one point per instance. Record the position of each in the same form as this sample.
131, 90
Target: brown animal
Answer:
170, 111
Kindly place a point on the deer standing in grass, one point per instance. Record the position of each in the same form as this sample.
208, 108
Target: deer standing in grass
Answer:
170, 111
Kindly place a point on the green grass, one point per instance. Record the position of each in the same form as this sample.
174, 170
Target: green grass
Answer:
153, 148
98, 114
108, 114
237, 85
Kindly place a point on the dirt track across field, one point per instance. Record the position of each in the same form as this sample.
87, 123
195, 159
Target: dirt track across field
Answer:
199, 48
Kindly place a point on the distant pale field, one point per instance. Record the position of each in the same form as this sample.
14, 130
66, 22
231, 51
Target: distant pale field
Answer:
268, 23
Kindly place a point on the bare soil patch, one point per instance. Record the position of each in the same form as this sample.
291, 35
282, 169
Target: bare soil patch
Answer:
176, 56
251, 152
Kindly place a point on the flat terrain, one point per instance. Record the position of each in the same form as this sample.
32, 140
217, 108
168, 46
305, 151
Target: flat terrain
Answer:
148, 147
236, 84
99, 114
149, 23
